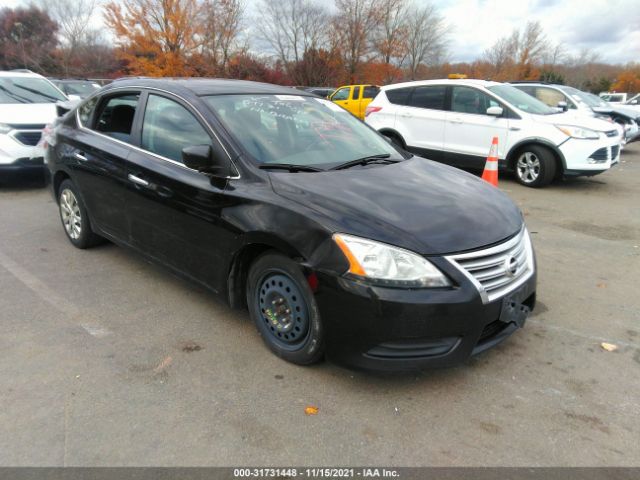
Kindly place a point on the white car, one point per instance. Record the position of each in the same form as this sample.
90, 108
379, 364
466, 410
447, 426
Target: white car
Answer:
454, 121
583, 103
27, 105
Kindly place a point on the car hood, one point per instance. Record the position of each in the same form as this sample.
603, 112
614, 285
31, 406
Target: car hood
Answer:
27, 113
570, 118
417, 204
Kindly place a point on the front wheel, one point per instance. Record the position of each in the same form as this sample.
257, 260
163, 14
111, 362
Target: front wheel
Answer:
284, 310
535, 166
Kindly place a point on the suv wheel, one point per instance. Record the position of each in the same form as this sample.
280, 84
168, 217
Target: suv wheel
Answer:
284, 310
535, 166
75, 219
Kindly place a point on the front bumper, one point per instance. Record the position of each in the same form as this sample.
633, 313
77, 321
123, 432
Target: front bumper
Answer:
590, 157
17, 158
385, 329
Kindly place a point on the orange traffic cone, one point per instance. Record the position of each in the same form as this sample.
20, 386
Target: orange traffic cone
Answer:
490, 173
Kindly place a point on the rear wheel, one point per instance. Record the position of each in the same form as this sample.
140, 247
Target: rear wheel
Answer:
75, 219
535, 166
284, 310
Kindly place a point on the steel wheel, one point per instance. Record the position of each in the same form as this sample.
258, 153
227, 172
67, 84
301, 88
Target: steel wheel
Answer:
283, 309
70, 213
528, 167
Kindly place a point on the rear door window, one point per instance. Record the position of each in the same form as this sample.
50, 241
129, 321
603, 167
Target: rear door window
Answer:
116, 114
399, 96
431, 97
168, 127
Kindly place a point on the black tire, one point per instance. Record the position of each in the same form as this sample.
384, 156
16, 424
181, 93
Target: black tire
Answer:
276, 285
534, 166
80, 234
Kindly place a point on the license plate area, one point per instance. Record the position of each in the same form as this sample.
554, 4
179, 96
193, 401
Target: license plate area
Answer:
514, 310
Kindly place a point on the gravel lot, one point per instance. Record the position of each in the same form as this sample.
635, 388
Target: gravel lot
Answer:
108, 360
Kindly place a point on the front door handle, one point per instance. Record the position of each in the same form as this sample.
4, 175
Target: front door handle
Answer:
138, 181
80, 156
456, 120
514, 129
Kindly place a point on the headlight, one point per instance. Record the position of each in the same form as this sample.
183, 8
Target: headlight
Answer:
578, 132
387, 265
4, 128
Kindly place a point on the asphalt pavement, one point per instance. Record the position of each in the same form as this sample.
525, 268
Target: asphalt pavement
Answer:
107, 360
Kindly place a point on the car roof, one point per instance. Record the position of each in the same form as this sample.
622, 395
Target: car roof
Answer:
449, 81
206, 86
9, 73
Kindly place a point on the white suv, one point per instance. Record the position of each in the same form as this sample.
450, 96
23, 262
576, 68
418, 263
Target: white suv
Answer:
27, 104
453, 121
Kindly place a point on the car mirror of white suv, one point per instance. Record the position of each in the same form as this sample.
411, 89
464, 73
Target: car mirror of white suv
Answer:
495, 111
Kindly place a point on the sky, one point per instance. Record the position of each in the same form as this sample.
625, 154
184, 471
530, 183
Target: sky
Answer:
610, 28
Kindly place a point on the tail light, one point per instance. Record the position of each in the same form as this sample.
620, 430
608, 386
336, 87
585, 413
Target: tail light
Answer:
369, 110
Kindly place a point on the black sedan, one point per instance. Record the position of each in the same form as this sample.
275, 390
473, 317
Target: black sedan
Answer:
336, 242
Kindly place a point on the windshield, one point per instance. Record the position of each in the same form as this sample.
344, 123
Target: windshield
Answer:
588, 98
297, 130
521, 100
81, 88
28, 90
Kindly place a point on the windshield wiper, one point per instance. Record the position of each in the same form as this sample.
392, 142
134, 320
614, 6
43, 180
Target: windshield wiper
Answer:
37, 92
365, 161
290, 167
19, 98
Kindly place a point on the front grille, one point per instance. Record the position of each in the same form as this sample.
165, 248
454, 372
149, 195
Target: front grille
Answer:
28, 138
611, 133
27, 126
498, 270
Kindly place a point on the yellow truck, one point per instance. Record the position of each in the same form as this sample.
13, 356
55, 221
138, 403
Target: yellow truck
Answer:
355, 98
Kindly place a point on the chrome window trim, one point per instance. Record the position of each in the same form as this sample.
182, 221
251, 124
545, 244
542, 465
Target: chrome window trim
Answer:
522, 236
160, 157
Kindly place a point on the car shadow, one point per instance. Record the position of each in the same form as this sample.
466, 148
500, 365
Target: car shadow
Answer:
24, 181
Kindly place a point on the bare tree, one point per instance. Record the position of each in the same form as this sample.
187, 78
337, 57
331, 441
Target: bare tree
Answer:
426, 37
292, 27
223, 23
514, 56
74, 19
390, 37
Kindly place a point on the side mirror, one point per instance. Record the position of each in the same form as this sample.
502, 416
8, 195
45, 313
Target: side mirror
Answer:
202, 159
74, 97
495, 111
563, 106
633, 102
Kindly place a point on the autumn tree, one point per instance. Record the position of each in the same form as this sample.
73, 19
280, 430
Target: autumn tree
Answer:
318, 67
389, 38
518, 55
27, 39
223, 24
156, 37
352, 27
426, 38
628, 81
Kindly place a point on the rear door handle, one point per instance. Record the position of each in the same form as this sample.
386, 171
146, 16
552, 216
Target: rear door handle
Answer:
80, 156
456, 120
514, 129
138, 181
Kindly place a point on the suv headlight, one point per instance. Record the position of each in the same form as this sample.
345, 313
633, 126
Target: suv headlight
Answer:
4, 128
578, 132
387, 265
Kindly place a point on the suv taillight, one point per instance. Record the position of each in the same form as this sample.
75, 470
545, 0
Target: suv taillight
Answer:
369, 110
